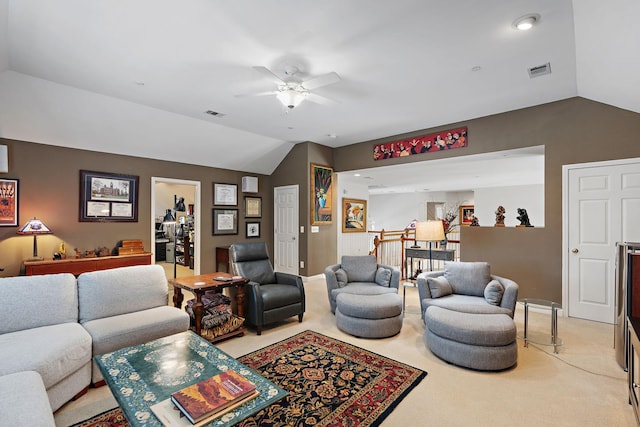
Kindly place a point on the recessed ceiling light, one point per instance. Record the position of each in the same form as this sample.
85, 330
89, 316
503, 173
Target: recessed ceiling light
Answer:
476, 68
139, 83
356, 174
332, 135
526, 22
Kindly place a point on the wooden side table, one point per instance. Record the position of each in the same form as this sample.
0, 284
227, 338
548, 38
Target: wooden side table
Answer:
202, 283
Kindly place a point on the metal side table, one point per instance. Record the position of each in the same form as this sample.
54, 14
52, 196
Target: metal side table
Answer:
553, 339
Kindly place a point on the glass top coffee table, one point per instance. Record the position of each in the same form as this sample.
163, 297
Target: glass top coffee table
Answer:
543, 304
143, 375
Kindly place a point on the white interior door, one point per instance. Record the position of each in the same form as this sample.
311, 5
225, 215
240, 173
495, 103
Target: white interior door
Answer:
285, 229
602, 209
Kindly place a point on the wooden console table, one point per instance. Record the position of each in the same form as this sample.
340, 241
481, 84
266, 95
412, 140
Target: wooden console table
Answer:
77, 266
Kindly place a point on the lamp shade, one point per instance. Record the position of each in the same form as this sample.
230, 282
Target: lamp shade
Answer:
34, 226
429, 231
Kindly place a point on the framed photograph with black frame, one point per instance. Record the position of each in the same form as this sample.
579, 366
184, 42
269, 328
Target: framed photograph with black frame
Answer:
252, 207
225, 194
9, 203
225, 221
108, 197
253, 230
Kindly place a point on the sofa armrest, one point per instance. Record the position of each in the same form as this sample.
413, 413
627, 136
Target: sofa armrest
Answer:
510, 295
423, 287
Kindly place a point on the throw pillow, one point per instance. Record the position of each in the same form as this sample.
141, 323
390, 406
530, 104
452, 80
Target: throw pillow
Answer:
439, 286
341, 276
493, 292
383, 277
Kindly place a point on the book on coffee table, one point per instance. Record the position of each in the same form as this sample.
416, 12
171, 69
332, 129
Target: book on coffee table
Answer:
210, 397
170, 416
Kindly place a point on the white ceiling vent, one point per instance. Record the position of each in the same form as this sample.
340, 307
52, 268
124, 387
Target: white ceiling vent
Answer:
540, 70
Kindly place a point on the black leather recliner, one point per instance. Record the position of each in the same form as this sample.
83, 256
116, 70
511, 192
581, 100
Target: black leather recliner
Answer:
270, 296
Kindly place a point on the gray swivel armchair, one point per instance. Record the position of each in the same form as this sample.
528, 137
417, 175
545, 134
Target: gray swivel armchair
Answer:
270, 296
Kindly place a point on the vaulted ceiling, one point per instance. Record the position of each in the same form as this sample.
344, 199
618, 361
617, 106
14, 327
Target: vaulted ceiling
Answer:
137, 77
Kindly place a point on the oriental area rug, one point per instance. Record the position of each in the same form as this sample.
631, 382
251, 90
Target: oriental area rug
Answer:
330, 383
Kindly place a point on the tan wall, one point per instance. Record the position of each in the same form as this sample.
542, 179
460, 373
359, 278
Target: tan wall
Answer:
573, 131
317, 250
49, 189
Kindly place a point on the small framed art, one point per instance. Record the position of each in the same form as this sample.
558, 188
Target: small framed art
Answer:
355, 216
225, 221
225, 194
253, 230
466, 214
9, 203
253, 207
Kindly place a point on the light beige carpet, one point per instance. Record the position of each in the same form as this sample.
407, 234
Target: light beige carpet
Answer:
581, 386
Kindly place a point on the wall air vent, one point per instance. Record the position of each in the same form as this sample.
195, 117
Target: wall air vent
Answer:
214, 113
540, 70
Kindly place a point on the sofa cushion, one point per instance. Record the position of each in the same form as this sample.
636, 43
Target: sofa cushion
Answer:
55, 351
383, 277
493, 292
341, 277
439, 286
51, 298
360, 268
465, 304
360, 288
467, 278
121, 290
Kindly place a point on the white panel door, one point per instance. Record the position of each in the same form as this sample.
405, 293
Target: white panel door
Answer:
603, 205
286, 229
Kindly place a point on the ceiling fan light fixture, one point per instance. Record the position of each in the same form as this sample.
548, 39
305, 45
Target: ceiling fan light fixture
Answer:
290, 97
526, 22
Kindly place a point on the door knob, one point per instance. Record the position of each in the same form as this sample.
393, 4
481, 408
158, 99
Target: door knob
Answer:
574, 250
293, 238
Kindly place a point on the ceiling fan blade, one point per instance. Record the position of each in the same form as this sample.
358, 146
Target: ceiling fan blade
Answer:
269, 74
314, 97
246, 95
323, 80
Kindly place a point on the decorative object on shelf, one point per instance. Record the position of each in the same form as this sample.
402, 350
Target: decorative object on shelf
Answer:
446, 140
523, 217
322, 192
8, 202
500, 216
253, 230
252, 207
448, 223
33, 227
475, 222
225, 221
108, 197
466, 214
225, 194
430, 231
354, 213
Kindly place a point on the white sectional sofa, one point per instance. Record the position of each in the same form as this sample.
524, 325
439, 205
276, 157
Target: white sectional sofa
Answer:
54, 325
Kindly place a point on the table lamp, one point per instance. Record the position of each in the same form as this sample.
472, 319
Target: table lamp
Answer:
430, 231
34, 227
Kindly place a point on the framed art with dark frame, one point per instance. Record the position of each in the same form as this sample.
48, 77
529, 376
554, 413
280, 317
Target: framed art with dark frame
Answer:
321, 194
253, 230
108, 197
466, 214
354, 213
252, 207
9, 203
225, 221
225, 194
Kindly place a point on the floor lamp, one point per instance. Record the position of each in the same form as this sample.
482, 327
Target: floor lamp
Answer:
430, 231
178, 206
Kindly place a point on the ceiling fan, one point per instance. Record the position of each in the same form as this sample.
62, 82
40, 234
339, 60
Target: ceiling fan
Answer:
292, 90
